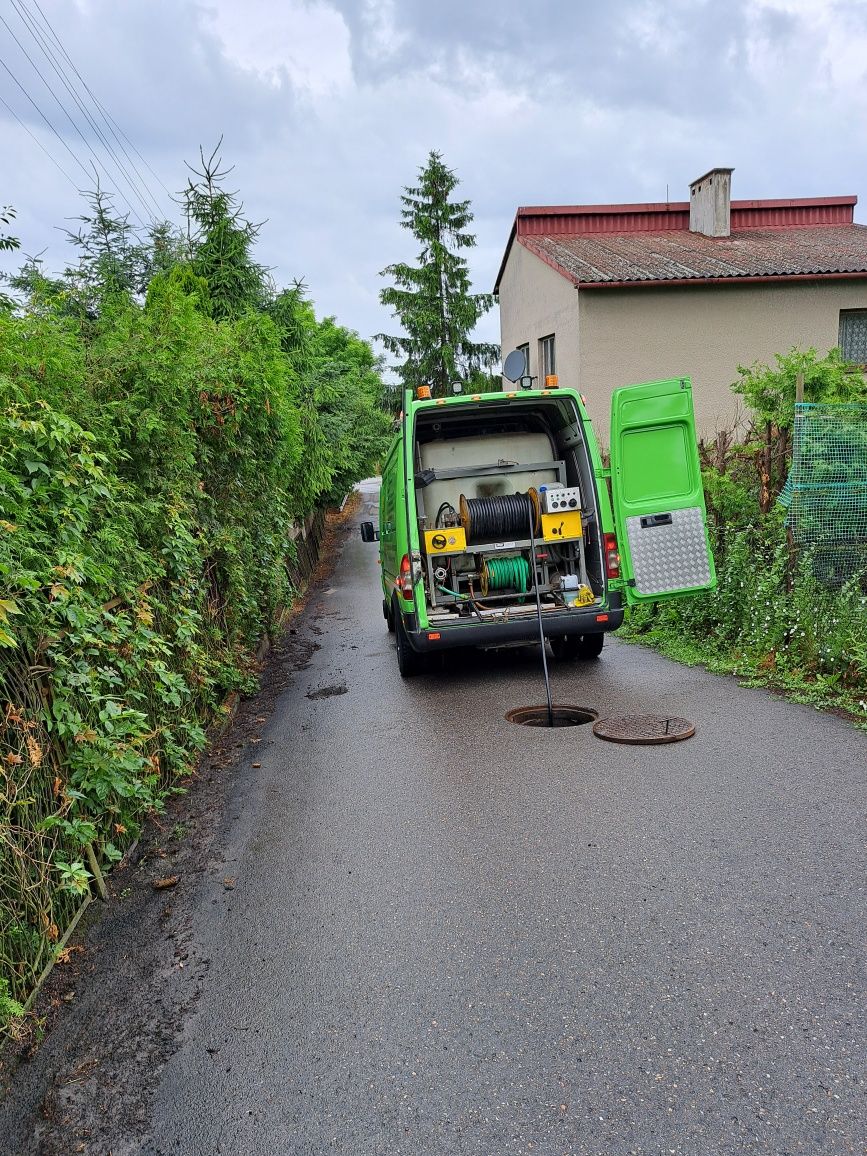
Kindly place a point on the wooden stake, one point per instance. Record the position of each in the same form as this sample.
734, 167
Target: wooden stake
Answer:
95, 871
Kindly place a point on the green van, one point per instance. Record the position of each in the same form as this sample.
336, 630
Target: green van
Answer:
497, 518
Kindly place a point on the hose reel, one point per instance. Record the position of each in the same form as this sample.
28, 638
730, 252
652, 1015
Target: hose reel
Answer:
500, 518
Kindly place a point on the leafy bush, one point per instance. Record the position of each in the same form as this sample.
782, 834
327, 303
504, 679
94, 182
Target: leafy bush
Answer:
165, 419
769, 619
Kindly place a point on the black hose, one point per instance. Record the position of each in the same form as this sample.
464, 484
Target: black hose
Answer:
532, 520
494, 519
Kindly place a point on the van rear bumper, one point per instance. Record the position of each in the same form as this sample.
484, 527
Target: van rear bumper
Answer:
556, 624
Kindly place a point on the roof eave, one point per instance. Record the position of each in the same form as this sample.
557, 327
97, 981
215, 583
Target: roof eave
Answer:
502, 268
663, 282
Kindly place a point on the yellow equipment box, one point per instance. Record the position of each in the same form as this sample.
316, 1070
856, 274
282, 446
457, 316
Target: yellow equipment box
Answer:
450, 540
562, 527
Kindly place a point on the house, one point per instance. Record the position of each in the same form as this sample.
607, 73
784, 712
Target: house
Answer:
609, 295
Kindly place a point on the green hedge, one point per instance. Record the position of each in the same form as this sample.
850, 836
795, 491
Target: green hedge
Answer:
153, 461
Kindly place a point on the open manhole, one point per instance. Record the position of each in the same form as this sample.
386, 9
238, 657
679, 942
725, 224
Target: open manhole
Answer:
644, 728
561, 716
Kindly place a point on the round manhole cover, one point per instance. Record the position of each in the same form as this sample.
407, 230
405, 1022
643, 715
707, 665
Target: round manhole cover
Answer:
644, 728
561, 716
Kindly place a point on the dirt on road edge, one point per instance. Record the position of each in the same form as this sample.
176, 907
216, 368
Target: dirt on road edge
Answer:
111, 1014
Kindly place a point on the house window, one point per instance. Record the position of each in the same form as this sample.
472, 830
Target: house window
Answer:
547, 362
853, 335
525, 349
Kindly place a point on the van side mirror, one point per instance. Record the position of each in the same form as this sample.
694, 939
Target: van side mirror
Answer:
368, 534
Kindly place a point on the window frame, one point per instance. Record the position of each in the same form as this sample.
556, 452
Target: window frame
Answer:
853, 358
525, 347
547, 346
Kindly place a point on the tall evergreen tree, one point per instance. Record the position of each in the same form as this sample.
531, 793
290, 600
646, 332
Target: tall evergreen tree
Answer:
432, 300
221, 243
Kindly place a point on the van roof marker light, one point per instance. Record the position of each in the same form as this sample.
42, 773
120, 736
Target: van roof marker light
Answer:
423, 393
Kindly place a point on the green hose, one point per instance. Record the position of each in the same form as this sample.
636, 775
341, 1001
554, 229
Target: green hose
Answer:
502, 573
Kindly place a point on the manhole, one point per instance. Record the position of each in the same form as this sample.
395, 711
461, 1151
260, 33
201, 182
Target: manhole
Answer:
644, 728
562, 716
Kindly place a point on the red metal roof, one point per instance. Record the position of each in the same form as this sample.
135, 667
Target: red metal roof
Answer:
644, 244
590, 259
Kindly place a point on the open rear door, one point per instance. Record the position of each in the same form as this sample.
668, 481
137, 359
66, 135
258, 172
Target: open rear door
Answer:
657, 493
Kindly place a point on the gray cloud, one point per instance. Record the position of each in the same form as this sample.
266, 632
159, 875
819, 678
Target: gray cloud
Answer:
329, 107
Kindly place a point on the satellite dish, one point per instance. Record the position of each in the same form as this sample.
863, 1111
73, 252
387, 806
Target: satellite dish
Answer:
515, 365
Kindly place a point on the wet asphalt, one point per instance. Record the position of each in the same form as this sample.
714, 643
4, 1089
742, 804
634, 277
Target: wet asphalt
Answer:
450, 934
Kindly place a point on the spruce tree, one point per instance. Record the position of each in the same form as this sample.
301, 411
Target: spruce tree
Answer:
432, 300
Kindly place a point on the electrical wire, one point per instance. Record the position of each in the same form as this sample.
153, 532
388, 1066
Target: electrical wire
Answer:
135, 181
5, 66
106, 116
50, 156
76, 128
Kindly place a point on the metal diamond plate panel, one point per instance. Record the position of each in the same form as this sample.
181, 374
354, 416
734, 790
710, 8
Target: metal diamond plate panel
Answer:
670, 556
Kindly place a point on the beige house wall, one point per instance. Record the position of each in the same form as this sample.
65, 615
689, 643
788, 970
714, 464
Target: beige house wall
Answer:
535, 301
702, 332
606, 338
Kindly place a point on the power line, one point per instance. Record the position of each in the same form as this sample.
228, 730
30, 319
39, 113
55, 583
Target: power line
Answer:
26, 128
60, 105
106, 116
44, 117
134, 180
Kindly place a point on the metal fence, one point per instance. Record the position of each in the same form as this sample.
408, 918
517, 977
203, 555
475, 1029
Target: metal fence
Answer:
826, 491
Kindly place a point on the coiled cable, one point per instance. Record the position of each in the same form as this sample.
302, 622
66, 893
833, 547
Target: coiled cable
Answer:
505, 516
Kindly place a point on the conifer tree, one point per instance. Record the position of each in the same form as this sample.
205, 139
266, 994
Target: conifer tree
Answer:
221, 242
432, 300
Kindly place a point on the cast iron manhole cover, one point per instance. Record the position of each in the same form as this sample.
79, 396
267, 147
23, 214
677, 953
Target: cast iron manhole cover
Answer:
562, 716
644, 728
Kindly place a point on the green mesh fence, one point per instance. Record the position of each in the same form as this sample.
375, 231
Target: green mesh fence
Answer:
826, 491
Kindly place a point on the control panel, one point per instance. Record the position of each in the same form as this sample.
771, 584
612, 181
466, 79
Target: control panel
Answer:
560, 499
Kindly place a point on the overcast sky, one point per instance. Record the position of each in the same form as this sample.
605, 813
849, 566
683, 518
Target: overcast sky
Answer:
327, 108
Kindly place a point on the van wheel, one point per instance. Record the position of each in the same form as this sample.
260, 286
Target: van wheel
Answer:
581, 646
409, 661
590, 645
388, 615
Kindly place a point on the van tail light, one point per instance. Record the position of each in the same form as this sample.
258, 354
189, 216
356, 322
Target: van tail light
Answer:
612, 556
404, 581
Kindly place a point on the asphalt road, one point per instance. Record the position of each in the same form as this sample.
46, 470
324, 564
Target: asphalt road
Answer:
449, 934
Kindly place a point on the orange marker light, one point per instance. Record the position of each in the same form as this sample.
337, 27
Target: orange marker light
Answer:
552, 381
423, 393
433, 636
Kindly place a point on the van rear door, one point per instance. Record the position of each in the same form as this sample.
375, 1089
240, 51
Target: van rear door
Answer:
657, 493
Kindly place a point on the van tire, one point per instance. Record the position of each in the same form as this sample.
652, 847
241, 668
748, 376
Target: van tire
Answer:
569, 647
388, 615
409, 661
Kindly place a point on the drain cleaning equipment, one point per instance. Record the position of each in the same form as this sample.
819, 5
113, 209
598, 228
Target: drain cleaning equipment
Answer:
493, 519
501, 573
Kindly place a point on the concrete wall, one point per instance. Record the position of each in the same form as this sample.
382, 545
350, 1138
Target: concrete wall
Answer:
703, 332
536, 300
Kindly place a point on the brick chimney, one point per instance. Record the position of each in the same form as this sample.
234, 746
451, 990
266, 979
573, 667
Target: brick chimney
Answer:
710, 199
